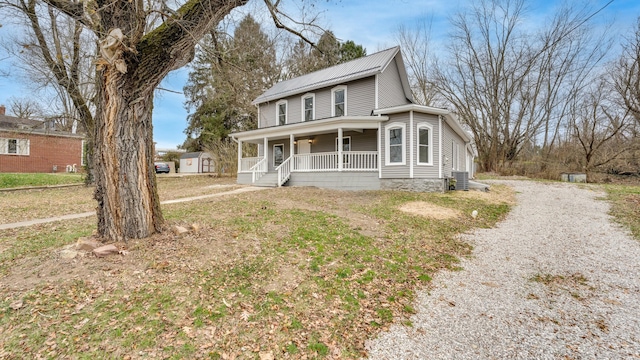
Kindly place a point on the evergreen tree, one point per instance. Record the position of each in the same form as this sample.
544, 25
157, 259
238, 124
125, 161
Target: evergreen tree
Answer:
227, 75
328, 52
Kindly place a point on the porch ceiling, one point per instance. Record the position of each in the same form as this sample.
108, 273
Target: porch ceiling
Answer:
310, 128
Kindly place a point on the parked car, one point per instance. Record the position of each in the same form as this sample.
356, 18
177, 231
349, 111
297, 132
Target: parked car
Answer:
162, 168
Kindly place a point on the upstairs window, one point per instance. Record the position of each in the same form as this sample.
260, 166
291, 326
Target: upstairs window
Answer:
308, 109
395, 144
339, 101
425, 155
282, 112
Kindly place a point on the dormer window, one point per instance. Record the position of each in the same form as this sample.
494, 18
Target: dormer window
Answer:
281, 107
339, 101
308, 109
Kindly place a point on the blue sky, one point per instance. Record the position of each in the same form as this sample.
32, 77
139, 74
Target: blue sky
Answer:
371, 23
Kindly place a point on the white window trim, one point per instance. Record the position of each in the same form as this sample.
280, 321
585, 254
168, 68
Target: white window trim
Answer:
313, 108
430, 128
333, 99
23, 147
387, 135
286, 111
273, 157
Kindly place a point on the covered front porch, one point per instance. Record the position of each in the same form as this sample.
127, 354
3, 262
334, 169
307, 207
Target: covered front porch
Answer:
309, 152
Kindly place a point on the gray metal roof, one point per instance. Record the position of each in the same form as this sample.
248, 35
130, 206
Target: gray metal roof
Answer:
352, 70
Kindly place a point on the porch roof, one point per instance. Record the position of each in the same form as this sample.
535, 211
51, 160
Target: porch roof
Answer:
313, 127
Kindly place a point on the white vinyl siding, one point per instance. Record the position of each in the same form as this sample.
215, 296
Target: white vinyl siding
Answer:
365, 141
339, 101
453, 151
431, 171
390, 89
361, 97
267, 115
359, 101
14, 146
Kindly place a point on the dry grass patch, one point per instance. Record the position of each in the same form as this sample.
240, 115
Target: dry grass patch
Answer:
625, 206
287, 273
430, 210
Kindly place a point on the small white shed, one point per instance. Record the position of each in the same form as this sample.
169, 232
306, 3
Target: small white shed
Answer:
196, 162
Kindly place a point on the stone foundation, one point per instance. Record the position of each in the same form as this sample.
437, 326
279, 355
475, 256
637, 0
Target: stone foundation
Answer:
419, 185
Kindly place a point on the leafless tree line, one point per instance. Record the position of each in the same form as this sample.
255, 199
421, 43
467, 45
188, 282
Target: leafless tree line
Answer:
533, 93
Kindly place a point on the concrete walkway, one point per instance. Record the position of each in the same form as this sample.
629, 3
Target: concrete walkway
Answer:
92, 213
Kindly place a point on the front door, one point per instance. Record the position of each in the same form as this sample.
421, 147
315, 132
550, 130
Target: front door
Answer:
304, 147
278, 154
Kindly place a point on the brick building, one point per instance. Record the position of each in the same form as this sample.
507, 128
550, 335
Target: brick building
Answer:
27, 146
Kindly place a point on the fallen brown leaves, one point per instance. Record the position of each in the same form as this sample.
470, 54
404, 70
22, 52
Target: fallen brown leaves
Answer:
283, 273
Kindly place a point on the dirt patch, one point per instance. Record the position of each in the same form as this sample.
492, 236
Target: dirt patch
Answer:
430, 210
287, 279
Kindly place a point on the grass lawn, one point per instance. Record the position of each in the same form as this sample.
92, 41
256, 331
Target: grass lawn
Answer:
13, 180
287, 273
43, 203
625, 206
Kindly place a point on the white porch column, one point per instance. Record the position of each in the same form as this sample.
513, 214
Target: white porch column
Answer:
266, 148
239, 155
340, 160
291, 147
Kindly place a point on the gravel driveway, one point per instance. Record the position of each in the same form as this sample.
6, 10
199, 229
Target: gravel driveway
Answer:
556, 279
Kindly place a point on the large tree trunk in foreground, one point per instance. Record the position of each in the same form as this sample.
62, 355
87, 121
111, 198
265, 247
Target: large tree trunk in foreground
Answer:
128, 203
135, 55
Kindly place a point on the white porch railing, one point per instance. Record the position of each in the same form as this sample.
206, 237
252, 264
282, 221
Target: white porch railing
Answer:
360, 160
284, 171
247, 163
315, 161
259, 169
328, 161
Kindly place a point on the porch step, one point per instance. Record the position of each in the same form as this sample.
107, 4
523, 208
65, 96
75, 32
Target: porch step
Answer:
268, 180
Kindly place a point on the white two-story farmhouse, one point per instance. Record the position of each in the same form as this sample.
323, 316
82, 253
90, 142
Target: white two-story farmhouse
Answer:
353, 126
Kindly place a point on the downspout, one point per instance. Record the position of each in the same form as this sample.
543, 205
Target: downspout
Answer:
440, 163
411, 145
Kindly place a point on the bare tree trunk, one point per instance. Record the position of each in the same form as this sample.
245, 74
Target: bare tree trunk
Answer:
138, 48
128, 203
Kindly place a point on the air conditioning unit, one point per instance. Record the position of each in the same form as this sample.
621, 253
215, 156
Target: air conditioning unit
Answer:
462, 180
